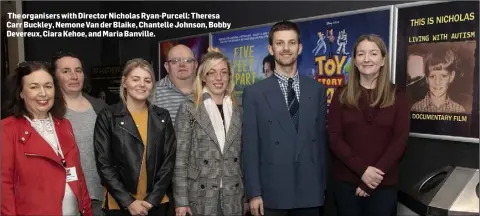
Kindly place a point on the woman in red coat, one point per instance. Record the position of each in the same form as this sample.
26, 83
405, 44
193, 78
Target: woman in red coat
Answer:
41, 172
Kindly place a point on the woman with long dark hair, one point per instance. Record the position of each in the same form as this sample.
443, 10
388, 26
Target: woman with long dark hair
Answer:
41, 170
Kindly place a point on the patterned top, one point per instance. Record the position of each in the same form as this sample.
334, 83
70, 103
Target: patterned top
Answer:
283, 82
426, 105
168, 96
45, 128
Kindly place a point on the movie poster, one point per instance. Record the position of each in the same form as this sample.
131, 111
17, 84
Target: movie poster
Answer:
105, 83
328, 45
248, 53
437, 60
198, 44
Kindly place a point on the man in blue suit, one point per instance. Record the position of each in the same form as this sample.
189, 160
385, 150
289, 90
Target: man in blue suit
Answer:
284, 134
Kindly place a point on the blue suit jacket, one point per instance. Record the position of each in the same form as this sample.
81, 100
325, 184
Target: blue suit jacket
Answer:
286, 168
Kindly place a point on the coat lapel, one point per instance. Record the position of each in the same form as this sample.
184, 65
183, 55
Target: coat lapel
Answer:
305, 102
129, 125
154, 128
126, 122
65, 137
37, 146
201, 116
234, 128
277, 103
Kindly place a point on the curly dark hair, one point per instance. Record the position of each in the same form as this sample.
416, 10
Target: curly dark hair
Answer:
15, 105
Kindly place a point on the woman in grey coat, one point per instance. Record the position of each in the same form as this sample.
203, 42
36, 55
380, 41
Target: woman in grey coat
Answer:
208, 176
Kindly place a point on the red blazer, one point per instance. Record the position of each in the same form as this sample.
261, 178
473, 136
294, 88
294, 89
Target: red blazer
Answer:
33, 177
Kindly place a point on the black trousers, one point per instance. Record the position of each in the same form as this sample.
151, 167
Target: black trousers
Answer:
170, 207
381, 202
316, 211
160, 211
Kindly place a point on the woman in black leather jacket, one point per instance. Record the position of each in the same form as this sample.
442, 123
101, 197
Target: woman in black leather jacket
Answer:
135, 147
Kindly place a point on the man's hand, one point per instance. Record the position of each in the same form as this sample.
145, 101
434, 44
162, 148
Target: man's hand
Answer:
256, 206
183, 211
137, 208
372, 177
361, 193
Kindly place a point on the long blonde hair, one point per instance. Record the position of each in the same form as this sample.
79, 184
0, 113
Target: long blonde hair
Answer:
208, 61
129, 67
384, 93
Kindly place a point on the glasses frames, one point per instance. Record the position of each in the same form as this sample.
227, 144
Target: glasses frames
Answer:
176, 61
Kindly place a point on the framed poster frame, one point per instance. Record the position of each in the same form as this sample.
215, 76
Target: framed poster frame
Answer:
394, 72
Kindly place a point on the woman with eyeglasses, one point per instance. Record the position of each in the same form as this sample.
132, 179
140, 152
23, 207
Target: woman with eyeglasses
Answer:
208, 175
41, 170
135, 147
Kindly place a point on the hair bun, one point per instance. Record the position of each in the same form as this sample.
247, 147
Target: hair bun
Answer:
213, 49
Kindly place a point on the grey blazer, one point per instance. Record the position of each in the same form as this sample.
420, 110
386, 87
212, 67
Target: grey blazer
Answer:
200, 165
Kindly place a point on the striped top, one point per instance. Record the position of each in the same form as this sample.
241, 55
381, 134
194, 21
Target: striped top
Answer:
426, 105
168, 96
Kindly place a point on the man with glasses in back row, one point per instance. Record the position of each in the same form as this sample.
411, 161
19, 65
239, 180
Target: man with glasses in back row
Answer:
173, 88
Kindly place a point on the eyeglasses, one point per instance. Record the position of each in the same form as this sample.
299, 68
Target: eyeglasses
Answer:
212, 74
184, 60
